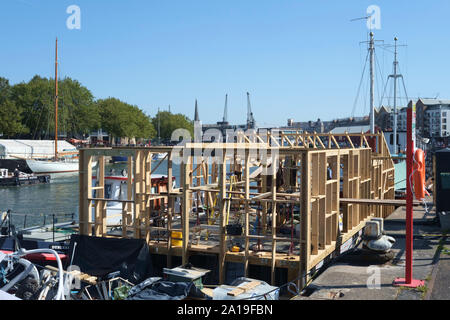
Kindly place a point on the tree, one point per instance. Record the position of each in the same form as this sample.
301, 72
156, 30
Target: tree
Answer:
10, 113
124, 120
37, 100
29, 107
169, 122
78, 112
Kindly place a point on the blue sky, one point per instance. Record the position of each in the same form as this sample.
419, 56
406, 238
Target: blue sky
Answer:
299, 59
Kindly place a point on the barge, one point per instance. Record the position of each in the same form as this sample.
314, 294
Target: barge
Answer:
21, 178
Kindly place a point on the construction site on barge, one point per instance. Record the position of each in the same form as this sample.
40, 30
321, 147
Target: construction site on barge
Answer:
267, 207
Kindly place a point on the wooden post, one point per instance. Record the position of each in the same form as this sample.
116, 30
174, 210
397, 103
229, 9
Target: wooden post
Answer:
247, 208
83, 211
170, 208
137, 194
274, 218
85, 193
148, 192
127, 207
264, 204
100, 212
223, 207
187, 176
305, 218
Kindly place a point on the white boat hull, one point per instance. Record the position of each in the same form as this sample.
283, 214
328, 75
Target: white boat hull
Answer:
159, 156
52, 167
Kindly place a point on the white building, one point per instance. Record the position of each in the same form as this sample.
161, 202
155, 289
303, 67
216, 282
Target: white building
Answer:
436, 121
401, 119
436, 114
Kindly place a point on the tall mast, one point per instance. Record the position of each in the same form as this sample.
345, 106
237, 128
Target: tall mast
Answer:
372, 84
56, 100
159, 128
395, 96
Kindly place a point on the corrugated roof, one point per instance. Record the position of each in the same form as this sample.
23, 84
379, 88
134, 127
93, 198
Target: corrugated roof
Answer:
355, 129
434, 102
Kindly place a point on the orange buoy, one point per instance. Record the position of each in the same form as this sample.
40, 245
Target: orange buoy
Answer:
419, 174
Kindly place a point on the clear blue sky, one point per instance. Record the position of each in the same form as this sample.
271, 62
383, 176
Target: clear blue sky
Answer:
299, 59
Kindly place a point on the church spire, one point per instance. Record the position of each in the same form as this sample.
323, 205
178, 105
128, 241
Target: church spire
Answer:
196, 117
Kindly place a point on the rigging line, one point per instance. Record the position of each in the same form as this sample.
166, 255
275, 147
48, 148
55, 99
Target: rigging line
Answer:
384, 47
390, 90
384, 92
367, 100
360, 84
390, 95
381, 77
404, 87
29, 114
39, 121
47, 133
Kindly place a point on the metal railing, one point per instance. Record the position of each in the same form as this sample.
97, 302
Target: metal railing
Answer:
29, 221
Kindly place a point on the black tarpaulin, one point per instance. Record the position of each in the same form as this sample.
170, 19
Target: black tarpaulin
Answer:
101, 256
158, 289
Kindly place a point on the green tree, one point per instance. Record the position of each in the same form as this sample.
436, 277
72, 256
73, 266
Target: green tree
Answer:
78, 112
10, 114
37, 100
169, 122
121, 120
29, 107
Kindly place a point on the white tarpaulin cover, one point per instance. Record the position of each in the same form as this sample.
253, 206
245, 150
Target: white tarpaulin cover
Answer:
32, 149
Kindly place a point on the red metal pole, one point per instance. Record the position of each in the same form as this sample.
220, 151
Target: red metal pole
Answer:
409, 197
408, 281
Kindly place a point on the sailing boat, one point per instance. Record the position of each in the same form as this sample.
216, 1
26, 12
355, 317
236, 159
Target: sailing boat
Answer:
66, 164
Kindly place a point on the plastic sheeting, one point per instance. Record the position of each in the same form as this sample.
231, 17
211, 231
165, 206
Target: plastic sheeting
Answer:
101, 256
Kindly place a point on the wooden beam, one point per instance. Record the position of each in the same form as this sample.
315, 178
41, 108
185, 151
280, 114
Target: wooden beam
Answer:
247, 208
85, 222
187, 176
305, 217
274, 218
379, 202
223, 207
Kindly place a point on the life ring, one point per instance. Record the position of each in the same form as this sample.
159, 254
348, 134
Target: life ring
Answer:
419, 174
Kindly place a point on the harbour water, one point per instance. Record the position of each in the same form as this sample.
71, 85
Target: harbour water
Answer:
36, 204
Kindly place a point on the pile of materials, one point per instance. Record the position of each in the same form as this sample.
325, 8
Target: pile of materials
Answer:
114, 269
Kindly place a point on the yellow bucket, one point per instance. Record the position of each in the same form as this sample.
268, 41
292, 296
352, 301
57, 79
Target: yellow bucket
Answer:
177, 238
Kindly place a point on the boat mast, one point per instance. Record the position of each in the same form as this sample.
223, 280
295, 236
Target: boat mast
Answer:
395, 76
159, 128
56, 100
372, 84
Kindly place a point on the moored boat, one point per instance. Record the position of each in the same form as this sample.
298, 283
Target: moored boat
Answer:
21, 178
116, 189
52, 166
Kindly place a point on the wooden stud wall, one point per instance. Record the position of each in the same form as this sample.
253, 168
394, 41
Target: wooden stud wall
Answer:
317, 178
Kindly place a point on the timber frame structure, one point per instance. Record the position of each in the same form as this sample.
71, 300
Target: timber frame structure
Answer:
323, 189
